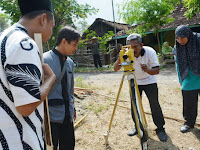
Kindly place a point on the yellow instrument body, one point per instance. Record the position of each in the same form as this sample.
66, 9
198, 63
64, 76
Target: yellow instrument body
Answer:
127, 58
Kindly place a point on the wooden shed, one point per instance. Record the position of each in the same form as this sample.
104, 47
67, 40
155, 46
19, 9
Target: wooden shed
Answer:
100, 26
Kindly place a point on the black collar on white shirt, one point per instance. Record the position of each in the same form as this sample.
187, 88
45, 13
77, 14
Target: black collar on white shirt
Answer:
142, 52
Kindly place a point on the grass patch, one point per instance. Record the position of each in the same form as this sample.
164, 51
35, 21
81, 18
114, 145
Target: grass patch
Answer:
79, 83
97, 108
97, 87
91, 131
93, 69
177, 89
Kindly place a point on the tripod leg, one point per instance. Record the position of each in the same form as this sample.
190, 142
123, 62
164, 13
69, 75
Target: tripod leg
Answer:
144, 121
134, 106
138, 113
116, 101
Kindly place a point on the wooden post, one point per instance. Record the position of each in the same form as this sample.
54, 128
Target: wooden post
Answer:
47, 126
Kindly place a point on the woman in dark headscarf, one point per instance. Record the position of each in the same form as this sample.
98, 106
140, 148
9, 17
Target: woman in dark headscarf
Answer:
187, 54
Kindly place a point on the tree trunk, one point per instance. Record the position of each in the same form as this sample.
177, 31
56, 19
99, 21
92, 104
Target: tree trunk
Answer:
159, 48
158, 38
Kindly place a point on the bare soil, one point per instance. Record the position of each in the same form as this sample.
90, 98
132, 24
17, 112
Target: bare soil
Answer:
89, 134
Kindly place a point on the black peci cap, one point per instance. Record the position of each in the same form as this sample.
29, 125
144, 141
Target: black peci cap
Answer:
27, 6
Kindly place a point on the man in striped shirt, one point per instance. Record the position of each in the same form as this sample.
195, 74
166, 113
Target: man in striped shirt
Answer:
22, 94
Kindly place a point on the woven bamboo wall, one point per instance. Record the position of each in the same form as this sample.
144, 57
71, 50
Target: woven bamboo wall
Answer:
85, 59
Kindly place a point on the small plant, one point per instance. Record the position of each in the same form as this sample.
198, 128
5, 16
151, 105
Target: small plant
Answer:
97, 108
79, 82
91, 131
89, 69
177, 89
110, 91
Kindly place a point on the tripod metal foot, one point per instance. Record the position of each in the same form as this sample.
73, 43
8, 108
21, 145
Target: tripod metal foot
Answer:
106, 137
145, 145
115, 106
139, 115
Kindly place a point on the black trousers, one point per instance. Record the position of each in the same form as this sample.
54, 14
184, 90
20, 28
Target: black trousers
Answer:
97, 61
190, 106
151, 90
63, 135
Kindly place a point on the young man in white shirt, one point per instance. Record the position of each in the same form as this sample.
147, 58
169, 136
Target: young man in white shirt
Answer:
146, 66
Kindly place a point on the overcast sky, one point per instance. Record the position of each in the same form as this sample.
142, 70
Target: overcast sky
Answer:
105, 9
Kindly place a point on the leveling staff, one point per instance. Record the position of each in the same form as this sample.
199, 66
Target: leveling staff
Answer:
146, 66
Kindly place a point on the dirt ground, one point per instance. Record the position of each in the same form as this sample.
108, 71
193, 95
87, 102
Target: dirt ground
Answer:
89, 134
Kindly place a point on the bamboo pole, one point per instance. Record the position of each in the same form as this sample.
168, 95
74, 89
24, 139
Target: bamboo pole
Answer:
76, 124
175, 119
78, 92
83, 89
47, 126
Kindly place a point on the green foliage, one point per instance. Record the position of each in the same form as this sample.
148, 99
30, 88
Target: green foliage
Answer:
148, 15
11, 8
82, 25
3, 22
81, 44
79, 82
90, 34
97, 108
65, 12
177, 89
89, 69
102, 40
193, 7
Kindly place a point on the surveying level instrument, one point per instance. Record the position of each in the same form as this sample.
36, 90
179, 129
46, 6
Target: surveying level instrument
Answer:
127, 62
